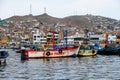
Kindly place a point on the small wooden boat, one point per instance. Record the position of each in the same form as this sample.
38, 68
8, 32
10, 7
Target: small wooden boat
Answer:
69, 51
87, 50
3, 56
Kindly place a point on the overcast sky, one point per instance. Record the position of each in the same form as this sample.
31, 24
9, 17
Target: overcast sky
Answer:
60, 8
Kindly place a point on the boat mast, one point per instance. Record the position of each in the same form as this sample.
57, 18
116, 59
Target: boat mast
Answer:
86, 36
66, 34
53, 32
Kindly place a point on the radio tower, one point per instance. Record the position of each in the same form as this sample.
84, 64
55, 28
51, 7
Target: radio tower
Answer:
14, 13
30, 9
45, 10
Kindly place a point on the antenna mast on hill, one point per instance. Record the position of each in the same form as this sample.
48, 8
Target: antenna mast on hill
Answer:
30, 9
45, 10
14, 13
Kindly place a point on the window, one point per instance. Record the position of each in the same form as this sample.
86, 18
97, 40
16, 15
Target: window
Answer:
78, 38
38, 36
94, 38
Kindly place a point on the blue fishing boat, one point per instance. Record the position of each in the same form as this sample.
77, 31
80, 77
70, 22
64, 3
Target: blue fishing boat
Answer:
109, 50
3, 56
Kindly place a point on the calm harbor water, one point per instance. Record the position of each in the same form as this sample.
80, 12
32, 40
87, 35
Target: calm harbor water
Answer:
79, 68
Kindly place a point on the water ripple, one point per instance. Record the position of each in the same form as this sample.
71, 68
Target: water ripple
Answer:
80, 68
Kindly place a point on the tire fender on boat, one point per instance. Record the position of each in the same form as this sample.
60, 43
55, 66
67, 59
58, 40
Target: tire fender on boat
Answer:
60, 51
93, 51
48, 53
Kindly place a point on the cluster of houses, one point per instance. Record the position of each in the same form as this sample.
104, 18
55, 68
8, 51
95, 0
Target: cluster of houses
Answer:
103, 23
76, 38
32, 31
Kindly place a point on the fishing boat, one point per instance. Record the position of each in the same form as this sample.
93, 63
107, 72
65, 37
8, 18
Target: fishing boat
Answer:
3, 56
110, 50
86, 49
62, 51
51, 53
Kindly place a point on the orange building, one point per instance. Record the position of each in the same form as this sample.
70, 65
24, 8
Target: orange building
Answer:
118, 38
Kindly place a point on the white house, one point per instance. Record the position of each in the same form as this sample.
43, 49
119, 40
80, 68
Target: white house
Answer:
38, 38
96, 38
78, 38
111, 38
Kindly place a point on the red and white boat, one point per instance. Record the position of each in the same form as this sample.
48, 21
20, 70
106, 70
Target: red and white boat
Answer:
64, 51
69, 51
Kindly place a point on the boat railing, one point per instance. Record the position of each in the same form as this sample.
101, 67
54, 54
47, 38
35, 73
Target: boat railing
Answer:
87, 47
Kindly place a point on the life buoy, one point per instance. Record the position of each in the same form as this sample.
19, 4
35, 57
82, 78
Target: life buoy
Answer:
60, 51
93, 51
48, 53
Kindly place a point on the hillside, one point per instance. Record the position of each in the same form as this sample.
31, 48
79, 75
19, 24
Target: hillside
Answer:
80, 21
47, 19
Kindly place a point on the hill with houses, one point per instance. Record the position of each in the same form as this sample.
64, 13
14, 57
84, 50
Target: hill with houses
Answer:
16, 28
70, 21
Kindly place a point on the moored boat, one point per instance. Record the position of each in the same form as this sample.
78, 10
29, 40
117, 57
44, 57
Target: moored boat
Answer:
69, 51
87, 50
62, 51
108, 50
3, 56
